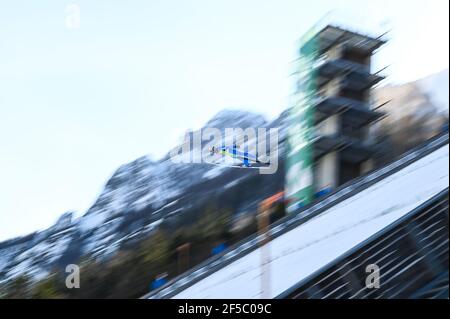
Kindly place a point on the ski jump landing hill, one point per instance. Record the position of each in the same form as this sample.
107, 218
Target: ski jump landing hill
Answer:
313, 238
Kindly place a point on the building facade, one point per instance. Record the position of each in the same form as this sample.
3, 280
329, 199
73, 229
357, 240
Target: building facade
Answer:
334, 109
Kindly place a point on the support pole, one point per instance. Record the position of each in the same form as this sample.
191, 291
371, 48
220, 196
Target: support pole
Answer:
183, 257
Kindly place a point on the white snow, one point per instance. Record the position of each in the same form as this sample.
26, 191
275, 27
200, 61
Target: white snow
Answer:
3, 262
35, 250
58, 248
152, 226
47, 250
20, 269
214, 172
145, 200
176, 211
8, 254
102, 236
91, 221
231, 184
301, 251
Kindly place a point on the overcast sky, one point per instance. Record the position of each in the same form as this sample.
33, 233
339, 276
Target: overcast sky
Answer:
77, 102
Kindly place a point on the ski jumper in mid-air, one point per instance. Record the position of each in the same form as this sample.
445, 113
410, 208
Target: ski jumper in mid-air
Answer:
247, 158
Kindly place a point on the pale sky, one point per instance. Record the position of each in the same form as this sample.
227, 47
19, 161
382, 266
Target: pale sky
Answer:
76, 103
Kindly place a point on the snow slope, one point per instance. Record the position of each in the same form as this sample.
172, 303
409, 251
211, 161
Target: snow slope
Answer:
298, 253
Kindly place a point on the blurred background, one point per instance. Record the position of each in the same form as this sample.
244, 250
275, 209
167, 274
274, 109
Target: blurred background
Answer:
95, 94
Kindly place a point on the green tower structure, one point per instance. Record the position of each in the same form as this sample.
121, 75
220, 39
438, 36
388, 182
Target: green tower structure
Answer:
327, 139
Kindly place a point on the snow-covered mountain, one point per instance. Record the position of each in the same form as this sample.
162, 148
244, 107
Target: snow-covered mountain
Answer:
143, 193
137, 197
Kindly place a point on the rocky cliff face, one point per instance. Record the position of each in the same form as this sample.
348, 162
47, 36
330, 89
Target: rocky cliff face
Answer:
134, 201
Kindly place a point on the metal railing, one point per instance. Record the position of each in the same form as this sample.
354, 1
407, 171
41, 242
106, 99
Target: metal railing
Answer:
411, 255
295, 219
